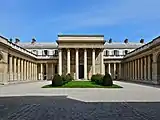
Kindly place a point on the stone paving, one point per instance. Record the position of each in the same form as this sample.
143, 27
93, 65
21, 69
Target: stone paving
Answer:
31, 102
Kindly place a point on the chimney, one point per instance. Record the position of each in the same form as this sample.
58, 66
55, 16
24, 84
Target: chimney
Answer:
10, 40
126, 41
110, 40
33, 41
17, 40
142, 41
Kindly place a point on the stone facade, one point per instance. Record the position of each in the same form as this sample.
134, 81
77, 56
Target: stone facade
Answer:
80, 55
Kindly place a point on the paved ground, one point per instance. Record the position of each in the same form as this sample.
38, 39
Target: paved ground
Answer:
31, 102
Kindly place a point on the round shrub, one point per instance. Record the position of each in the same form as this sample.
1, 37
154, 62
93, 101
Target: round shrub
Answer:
98, 79
64, 79
69, 77
93, 78
107, 80
57, 80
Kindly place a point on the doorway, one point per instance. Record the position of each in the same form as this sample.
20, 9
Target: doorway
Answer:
81, 71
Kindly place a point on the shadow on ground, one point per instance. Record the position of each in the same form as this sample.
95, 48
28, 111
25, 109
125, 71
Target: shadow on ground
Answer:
63, 108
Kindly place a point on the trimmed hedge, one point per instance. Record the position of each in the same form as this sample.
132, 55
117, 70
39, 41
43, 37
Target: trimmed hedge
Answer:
105, 80
61, 80
57, 80
69, 77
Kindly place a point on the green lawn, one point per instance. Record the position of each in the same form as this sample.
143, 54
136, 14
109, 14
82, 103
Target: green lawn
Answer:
82, 84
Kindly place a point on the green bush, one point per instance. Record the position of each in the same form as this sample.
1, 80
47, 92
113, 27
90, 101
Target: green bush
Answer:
57, 80
98, 78
107, 80
68, 77
64, 79
93, 78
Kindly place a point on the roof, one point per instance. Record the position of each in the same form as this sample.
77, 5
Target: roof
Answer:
154, 42
118, 45
80, 35
39, 45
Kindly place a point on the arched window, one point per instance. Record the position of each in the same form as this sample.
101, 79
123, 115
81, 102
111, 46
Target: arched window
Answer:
126, 52
107, 53
116, 52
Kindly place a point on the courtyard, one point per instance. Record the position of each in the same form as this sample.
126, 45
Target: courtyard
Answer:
29, 101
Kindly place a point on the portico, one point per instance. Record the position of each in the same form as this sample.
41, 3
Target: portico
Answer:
81, 55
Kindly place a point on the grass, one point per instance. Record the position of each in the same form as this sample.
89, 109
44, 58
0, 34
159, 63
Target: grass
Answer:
81, 84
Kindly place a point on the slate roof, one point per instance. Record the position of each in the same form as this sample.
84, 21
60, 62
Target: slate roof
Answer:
119, 45
39, 45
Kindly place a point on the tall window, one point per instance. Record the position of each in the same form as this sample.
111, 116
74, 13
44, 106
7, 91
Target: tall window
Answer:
107, 53
116, 52
45, 52
56, 52
35, 52
126, 52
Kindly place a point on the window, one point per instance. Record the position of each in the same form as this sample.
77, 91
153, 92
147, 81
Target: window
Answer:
45, 52
126, 52
116, 52
35, 52
107, 53
56, 52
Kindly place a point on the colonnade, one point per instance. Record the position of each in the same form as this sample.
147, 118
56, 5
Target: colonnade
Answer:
116, 68
138, 69
77, 62
49, 74
21, 69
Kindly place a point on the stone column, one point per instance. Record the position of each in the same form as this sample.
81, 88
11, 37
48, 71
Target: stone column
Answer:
145, 67
27, 75
93, 61
138, 69
77, 65
68, 61
120, 71
30, 70
46, 71
33, 69
22, 71
101, 63
15, 68
109, 68
41, 71
10, 68
85, 64
36, 72
18, 69
133, 69
142, 65
114, 69
52, 70
60, 62
149, 68
136, 77
25, 70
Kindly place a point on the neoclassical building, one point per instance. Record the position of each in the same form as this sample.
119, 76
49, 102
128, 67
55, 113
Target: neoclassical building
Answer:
80, 55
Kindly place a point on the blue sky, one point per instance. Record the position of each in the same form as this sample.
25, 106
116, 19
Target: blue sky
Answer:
44, 19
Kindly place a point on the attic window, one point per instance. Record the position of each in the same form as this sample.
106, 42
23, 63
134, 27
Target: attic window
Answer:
45, 52
116, 52
56, 52
126, 52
